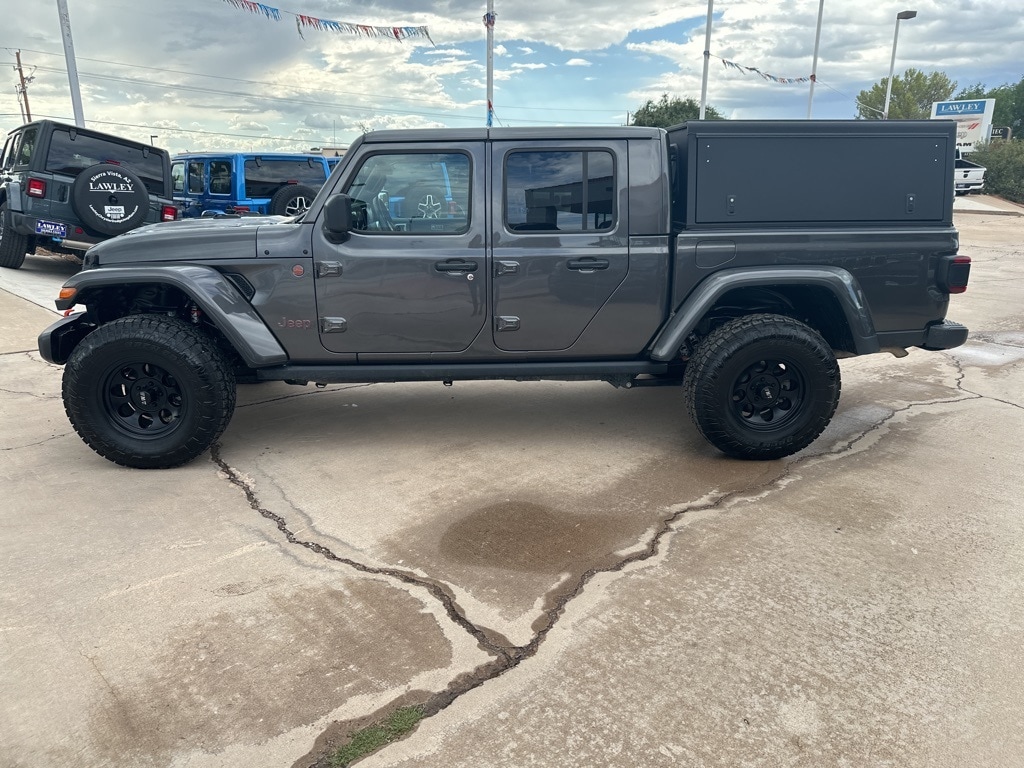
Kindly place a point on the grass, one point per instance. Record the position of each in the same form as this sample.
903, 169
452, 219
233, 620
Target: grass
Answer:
371, 738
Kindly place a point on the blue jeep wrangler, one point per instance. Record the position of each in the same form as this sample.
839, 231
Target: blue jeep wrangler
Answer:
211, 184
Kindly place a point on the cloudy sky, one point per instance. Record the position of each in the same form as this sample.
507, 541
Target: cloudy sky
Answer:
204, 74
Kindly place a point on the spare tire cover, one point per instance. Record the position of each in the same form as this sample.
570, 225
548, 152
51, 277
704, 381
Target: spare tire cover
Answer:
110, 199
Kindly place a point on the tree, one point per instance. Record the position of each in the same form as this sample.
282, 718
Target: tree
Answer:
911, 99
1009, 108
674, 111
1004, 168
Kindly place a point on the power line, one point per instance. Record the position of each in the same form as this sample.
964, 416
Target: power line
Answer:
67, 119
276, 85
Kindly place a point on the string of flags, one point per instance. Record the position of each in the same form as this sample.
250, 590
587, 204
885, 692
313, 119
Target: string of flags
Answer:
772, 78
329, 25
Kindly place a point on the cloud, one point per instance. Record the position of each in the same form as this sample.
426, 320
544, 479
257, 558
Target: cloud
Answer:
241, 74
247, 126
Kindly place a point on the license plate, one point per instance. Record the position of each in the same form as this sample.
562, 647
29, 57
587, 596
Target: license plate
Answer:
52, 228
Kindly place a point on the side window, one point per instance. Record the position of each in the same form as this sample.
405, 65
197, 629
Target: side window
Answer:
5, 156
556, 191
220, 177
28, 143
195, 177
177, 177
421, 192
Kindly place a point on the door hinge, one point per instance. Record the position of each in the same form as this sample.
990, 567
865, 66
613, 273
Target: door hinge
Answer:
328, 268
506, 268
333, 324
506, 323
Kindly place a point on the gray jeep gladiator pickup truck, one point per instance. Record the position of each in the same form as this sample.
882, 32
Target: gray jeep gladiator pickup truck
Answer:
637, 256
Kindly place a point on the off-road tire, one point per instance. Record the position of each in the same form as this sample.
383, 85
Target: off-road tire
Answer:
291, 200
762, 386
148, 392
13, 245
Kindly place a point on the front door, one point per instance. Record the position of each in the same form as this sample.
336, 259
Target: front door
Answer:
560, 245
412, 276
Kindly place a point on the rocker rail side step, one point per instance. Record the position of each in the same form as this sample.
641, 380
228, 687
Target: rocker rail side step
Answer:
333, 374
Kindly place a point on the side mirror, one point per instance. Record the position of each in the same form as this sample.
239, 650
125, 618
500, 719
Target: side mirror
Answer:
338, 218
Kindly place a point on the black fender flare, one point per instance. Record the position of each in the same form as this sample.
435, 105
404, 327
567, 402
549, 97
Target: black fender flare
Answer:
214, 294
839, 282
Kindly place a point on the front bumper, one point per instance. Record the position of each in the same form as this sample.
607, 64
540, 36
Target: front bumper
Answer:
57, 341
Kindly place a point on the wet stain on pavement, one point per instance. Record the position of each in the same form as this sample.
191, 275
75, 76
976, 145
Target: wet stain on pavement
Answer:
526, 537
301, 652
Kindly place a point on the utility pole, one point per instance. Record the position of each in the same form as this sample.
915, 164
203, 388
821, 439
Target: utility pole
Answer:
23, 89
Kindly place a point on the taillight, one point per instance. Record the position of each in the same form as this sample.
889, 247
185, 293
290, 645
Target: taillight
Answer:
168, 213
957, 274
241, 209
36, 188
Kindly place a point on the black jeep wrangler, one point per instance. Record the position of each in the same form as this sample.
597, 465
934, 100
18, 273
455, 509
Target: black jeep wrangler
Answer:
68, 188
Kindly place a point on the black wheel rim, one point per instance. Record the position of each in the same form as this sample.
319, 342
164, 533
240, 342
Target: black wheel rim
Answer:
143, 400
768, 394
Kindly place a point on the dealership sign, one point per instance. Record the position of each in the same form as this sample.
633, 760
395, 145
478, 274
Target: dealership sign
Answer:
973, 119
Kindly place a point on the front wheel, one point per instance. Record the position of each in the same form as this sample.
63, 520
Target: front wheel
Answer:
762, 386
148, 392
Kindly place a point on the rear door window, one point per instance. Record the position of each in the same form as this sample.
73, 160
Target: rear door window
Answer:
220, 177
23, 154
72, 155
196, 178
552, 191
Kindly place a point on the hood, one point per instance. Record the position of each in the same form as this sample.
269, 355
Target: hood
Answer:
187, 239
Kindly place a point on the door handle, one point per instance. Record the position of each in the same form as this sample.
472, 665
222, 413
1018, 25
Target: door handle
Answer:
588, 265
455, 265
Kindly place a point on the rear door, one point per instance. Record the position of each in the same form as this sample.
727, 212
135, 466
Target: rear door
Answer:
559, 239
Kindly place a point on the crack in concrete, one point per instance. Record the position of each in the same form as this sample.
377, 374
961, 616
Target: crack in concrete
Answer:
32, 445
507, 656
310, 393
29, 394
961, 375
434, 588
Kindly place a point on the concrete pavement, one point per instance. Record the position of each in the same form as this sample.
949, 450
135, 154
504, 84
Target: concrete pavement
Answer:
645, 601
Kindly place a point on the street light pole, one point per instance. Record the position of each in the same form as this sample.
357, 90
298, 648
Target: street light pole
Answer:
814, 62
892, 63
707, 61
69, 57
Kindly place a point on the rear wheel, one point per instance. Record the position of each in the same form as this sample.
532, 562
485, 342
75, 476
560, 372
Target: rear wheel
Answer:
291, 200
762, 386
13, 246
148, 392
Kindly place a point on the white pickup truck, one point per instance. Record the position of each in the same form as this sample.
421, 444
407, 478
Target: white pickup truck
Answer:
967, 176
